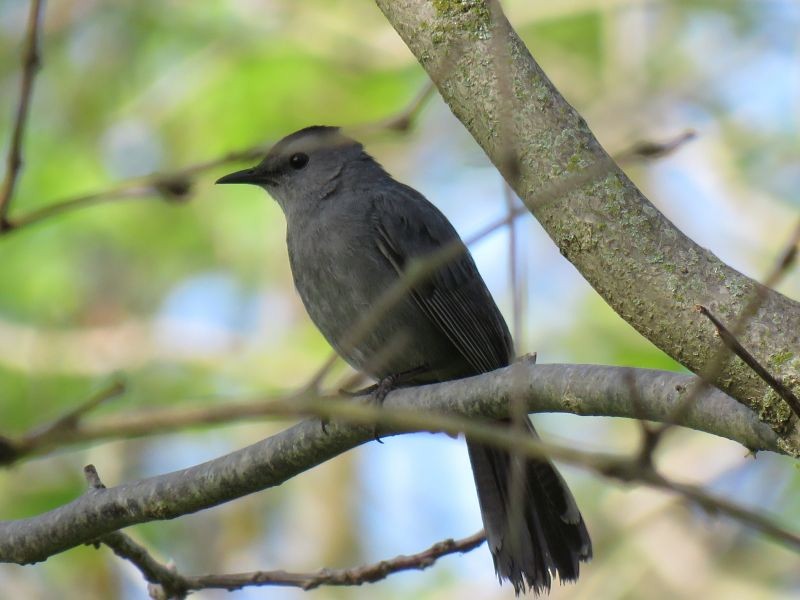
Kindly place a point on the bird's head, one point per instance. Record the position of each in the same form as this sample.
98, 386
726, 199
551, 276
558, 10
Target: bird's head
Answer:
302, 168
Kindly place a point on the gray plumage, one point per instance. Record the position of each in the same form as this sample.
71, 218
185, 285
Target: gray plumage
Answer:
352, 231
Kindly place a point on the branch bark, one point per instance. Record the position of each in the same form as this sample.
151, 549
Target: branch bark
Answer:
614, 236
579, 389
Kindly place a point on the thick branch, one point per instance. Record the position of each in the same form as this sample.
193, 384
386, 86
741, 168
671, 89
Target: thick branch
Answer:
581, 389
615, 237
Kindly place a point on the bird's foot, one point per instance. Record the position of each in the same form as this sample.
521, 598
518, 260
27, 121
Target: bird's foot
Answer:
377, 394
382, 388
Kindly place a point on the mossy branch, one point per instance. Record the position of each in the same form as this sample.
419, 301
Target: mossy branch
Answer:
647, 270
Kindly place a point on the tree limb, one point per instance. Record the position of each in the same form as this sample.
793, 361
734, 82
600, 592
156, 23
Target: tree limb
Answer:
581, 389
166, 582
614, 236
605, 391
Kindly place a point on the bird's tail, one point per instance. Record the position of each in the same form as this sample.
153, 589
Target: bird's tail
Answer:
542, 534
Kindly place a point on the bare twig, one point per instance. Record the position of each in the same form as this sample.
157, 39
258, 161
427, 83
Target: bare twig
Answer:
31, 62
517, 293
70, 419
716, 362
650, 436
176, 186
509, 154
404, 120
649, 150
712, 504
735, 346
166, 582
170, 585
173, 187
50, 434
370, 573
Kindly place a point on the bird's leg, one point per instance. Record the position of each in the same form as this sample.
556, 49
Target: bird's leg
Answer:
383, 387
377, 394
361, 392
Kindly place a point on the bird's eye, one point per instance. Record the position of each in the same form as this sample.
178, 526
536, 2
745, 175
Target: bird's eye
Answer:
298, 161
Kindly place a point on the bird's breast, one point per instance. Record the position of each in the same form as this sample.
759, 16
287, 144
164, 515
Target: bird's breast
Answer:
340, 275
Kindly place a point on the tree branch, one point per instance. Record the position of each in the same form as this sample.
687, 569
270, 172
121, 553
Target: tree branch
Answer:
615, 237
578, 389
30, 65
176, 186
581, 389
733, 344
166, 582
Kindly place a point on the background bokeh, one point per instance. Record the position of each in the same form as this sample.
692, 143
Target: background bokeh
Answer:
193, 302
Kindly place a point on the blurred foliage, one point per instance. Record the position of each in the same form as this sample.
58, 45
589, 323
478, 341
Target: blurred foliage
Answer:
193, 302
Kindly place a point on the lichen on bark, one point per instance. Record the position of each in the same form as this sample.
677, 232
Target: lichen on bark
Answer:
646, 269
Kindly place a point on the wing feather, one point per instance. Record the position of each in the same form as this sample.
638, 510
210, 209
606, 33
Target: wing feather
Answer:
454, 297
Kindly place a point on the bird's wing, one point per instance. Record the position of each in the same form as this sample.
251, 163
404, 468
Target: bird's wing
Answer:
409, 230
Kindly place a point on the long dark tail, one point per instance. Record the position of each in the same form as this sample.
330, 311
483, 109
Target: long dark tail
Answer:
543, 537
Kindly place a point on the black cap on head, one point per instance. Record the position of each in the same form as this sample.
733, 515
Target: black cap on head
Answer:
302, 142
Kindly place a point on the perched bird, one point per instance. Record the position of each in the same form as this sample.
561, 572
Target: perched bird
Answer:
352, 231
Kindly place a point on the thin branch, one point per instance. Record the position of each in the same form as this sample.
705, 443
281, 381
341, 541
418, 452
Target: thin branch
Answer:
517, 293
173, 188
370, 573
712, 504
650, 436
175, 585
171, 585
165, 583
71, 418
501, 56
31, 61
735, 346
649, 150
177, 185
405, 119
716, 362
50, 434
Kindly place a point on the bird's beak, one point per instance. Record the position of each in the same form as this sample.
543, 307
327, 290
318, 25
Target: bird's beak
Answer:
250, 175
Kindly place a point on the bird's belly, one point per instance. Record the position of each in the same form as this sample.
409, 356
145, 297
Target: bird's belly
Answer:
341, 298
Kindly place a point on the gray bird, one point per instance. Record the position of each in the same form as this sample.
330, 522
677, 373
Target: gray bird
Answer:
352, 232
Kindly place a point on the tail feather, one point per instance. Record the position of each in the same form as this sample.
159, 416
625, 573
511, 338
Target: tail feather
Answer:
549, 538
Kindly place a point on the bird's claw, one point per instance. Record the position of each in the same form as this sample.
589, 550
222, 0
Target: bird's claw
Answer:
377, 395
